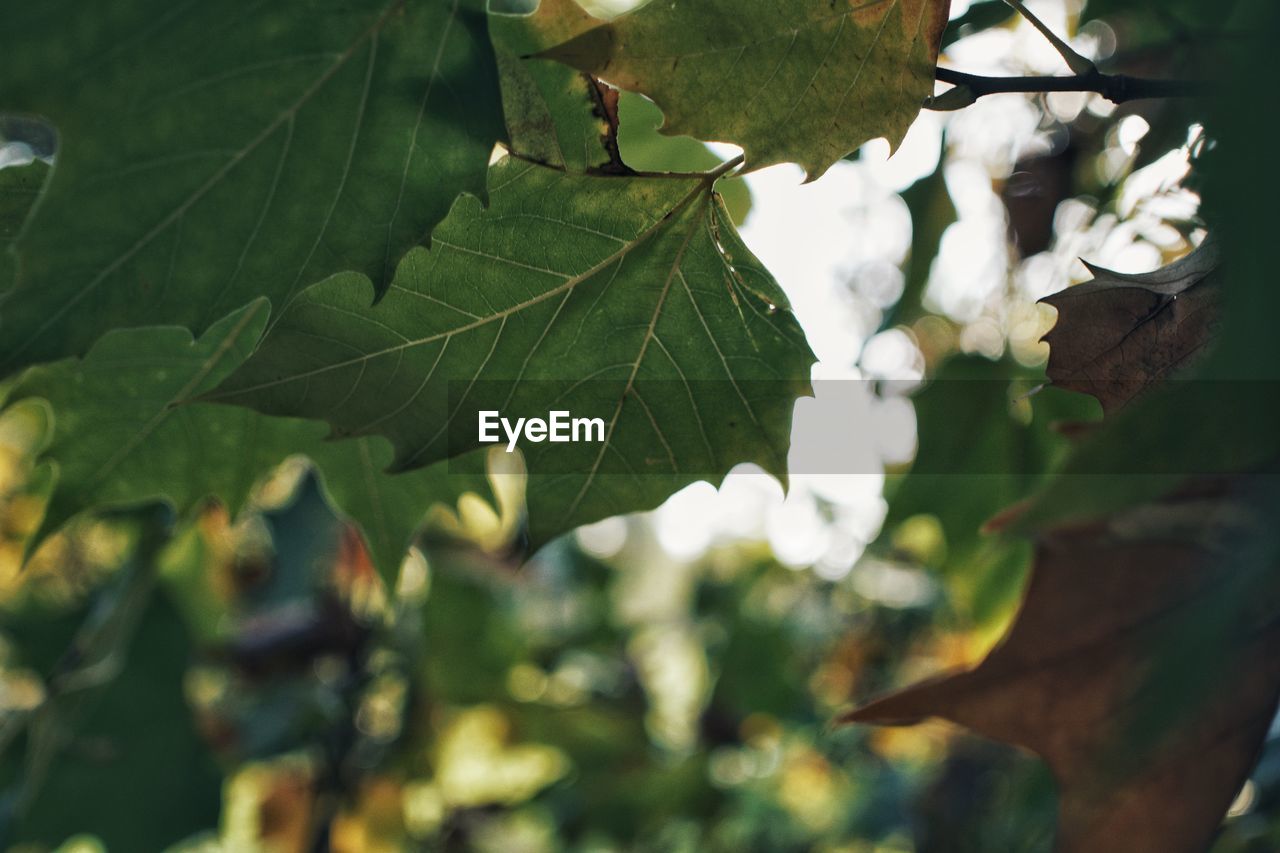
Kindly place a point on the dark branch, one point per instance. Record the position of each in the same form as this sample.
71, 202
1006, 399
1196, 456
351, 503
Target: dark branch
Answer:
1116, 88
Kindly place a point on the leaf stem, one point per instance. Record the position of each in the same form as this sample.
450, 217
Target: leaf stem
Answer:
1117, 88
724, 168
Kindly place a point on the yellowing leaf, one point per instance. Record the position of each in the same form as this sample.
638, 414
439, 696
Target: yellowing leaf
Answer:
804, 81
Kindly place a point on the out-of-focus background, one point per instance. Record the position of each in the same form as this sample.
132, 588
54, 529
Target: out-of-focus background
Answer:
665, 681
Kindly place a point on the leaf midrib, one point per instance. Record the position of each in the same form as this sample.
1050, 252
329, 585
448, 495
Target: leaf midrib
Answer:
567, 285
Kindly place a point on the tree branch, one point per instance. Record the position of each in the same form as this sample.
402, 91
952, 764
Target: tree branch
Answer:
1116, 88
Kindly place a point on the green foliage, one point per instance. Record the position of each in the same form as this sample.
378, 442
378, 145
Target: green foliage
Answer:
984, 445
210, 156
122, 437
117, 712
286, 231
932, 212
136, 727
620, 281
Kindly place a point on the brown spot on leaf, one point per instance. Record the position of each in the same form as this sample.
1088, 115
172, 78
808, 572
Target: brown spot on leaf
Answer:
604, 106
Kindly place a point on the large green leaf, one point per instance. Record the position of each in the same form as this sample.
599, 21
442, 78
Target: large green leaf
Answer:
212, 153
120, 438
570, 292
804, 81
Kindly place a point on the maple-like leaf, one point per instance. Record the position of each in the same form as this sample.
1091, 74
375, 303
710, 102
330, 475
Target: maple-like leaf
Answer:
569, 292
121, 437
1119, 334
803, 81
1141, 667
211, 153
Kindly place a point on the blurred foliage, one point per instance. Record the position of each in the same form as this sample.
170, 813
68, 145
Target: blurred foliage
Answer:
111, 670
481, 706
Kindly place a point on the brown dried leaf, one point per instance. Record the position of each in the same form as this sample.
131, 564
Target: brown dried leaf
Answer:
604, 101
1083, 676
1118, 334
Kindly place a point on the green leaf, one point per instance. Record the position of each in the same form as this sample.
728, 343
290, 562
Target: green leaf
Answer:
569, 292
121, 438
19, 189
211, 154
389, 508
567, 119
981, 15
1203, 427
470, 639
932, 212
804, 81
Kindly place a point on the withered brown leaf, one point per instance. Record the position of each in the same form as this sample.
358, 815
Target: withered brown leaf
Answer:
1142, 667
1119, 334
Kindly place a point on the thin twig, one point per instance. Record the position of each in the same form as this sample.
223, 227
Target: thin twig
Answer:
725, 167
1116, 88
1086, 77
1077, 63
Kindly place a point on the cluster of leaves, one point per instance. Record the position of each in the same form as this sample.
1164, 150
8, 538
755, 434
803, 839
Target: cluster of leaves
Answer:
476, 707
258, 225
269, 190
